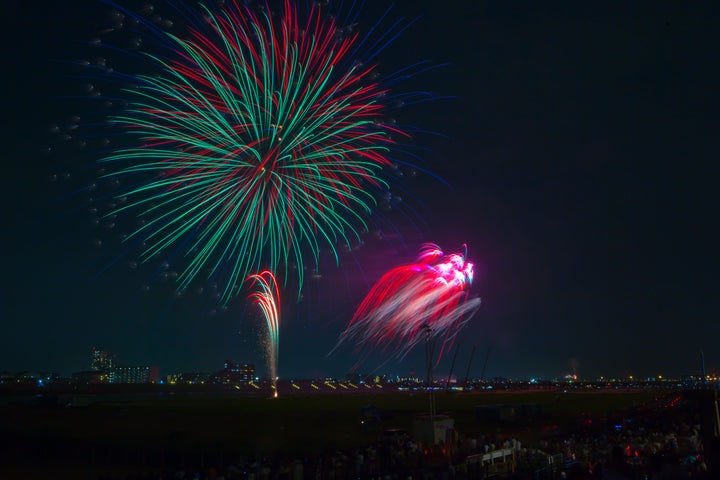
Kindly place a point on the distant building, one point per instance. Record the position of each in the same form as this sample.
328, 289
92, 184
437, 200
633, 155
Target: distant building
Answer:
90, 376
101, 361
155, 374
365, 378
132, 375
35, 378
189, 378
236, 373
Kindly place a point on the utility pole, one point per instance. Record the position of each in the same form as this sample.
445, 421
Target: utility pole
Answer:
452, 367
482, 374
429, 359
467, 372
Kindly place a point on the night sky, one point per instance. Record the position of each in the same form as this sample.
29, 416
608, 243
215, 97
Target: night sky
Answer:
580, 142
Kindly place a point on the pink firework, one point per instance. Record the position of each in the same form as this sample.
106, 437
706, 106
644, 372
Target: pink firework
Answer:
426, 300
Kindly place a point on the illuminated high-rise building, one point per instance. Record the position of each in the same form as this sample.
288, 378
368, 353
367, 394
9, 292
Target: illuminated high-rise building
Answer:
101, 360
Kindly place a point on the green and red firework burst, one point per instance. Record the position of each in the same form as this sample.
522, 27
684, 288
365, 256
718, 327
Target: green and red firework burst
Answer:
255, 140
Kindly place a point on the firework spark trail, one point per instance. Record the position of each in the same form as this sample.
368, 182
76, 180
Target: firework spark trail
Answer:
412, 303
259, 140
267, 297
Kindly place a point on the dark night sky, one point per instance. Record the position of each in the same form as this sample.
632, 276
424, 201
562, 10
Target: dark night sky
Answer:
581, 148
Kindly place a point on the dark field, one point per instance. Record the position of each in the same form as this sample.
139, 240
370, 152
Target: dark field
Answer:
122, 436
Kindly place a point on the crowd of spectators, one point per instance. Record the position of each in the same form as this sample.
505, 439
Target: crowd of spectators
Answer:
657, 440
654, 442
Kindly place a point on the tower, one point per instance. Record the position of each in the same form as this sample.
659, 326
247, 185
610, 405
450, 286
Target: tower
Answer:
101, 360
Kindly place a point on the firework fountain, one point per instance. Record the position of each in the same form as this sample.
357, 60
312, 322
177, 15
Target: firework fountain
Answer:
267, 297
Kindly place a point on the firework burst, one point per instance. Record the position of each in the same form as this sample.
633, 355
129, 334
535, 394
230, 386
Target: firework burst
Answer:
258, 140
424, 301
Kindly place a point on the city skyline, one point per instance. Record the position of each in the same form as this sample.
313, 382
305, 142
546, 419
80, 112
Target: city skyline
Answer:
577, 141
103, 361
